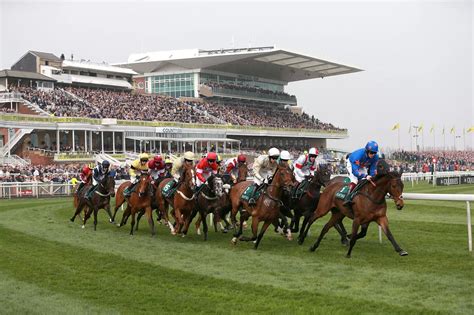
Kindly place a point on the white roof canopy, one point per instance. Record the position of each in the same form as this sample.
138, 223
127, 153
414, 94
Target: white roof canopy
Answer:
263, 62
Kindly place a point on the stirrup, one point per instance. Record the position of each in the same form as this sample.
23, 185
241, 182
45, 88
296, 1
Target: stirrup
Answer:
252, 201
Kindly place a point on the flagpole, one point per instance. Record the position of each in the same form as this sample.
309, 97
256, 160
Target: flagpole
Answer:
399, 139
464, 137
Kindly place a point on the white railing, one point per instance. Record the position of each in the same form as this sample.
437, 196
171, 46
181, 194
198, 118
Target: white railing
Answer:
444, 197
34, 189
14, 140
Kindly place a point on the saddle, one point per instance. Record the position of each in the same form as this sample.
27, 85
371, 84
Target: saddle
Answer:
252, 191
300, 189
344, 191
169, 189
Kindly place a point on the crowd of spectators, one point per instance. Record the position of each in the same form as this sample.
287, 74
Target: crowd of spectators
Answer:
409, 161
246, 88
101, 103
7, 109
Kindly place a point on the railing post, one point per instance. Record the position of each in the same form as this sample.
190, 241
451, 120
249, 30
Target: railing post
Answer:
469, 227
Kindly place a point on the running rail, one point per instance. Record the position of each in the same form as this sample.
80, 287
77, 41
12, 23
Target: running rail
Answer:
444, 197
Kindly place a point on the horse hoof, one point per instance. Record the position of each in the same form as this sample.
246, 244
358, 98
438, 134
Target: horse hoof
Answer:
184, 235
111, 221
403, 253
83, 226
198, 232
225, 231
312, 249
234, 240
348, 256
72, 220
300, 241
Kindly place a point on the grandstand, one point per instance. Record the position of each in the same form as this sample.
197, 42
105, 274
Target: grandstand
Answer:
200, 100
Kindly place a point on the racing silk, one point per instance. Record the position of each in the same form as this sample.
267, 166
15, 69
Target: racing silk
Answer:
177, 169
136, 168
98, 175
204, 170
156, 170
85, 175
262, 169
304, 167
231, 166
361, 165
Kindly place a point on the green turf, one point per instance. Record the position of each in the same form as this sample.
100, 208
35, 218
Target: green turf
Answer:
49, 265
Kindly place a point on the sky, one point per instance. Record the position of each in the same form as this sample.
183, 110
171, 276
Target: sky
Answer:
416, 55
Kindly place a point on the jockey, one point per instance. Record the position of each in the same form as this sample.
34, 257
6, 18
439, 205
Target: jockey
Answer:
178, 165
139, 165
168, 166
85, 177
156, 168
232, 166
98, 174
205, 167
306, 165
361, 164
264, 167
285, 157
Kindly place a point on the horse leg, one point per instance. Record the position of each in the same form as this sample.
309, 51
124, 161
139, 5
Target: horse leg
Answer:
125, 216
107, 209
78, 210
355, 229
240, 231
198, 225
383, 222
255, 223
139, 216
118, 202
342, 232
133, 220
363, 231
149, 215
332, 222
295, 222
87, 216
204, 223
188, 220
96, 209
262, 231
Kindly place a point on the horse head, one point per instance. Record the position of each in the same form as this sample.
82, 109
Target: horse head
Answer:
107, 185
143, 184
395, 188
243, 172
322, 176
188, 177
283, 177
216, 185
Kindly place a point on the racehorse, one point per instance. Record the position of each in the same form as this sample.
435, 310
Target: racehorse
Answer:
99, 200
183, 201
223, 205
211, 199
267, 207
140, 199
369, 205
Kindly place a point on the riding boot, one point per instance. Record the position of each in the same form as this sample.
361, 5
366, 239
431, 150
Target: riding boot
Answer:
128, 191
89, 193
81, 185
349, 196
252, 201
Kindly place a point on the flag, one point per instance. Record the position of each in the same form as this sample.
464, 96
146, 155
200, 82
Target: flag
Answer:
443, 130
396, 126
432, 129
453, 130
471, 129
420, 128
409, 129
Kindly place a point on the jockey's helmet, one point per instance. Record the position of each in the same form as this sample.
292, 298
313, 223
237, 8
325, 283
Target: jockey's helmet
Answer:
241, 158
211, 157
274, 152
144, 157
189, 156
105, 164
372, 146
313, 152
285, 155
158, 159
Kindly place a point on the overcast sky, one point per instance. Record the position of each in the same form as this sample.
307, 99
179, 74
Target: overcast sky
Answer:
416, 56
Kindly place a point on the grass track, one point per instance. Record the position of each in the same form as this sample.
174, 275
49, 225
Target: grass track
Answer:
49, 265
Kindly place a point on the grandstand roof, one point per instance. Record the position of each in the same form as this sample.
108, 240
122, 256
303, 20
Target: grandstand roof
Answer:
82, 64
263, 62
24, 75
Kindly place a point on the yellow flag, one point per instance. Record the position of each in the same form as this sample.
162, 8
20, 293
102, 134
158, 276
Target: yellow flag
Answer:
432, 129
471, 129
453, 130
420, 128
396, 126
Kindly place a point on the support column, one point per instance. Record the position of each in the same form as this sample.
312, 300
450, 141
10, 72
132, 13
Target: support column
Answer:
134, 146
160, 148
57, 141
113, 142
102, 141
85, 140
73, 141
124, 147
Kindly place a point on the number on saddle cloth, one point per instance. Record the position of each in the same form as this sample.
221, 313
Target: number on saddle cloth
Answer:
249, 192
168, 189
342, 193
